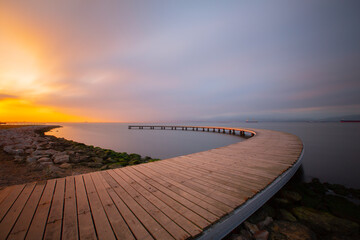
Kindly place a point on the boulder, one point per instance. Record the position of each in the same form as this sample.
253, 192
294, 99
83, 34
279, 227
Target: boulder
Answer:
46, 163
293, 231
261, 214
251, 227
291, 195
18, 151
44, 159
65, 166
261, 235
286, 215
29, 151
265, 222
79, 158
31, 159
324, 222
9, 149
63, 158
48, 152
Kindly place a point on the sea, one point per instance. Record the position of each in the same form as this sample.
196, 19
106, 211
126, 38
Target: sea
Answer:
332, 149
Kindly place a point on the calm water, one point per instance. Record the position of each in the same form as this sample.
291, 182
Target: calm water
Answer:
332, 150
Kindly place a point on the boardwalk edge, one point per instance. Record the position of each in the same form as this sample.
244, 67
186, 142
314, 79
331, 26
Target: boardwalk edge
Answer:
228, 223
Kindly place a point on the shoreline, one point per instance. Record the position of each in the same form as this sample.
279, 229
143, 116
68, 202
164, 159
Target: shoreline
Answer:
26, 149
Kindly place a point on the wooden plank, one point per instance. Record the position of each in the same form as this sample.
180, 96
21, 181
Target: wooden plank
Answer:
37, 227
134, 224
156, 230
102, 225
236, 166
54, 222
23, 223
9, 220
196, 205
208, 178
86, 225
117, 222
167, 209
212, 205
188, 181
176, 231
70, 222
161, 192
10, 199
4, 193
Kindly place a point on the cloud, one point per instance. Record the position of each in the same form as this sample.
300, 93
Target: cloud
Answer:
6, 96
127, 61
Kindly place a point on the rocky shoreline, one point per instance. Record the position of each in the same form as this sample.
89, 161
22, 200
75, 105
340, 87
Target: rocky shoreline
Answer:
300, 210
308, 211
52, 157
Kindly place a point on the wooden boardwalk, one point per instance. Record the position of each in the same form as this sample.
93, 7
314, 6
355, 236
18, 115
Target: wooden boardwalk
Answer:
178, 198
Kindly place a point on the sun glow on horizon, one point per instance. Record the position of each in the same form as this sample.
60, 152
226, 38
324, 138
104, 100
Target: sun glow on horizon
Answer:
18, 110
24, 75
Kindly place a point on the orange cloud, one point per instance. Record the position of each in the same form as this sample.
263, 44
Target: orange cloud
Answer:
19, 110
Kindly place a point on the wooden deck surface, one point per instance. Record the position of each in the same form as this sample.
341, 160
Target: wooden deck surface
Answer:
176, 198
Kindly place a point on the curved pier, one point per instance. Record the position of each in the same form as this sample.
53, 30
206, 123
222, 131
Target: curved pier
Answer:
202, 195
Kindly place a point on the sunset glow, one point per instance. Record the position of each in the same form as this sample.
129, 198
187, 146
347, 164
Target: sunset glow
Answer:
120, 61
16, 110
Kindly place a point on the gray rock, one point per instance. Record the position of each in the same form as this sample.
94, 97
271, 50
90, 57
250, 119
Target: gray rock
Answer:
65, 166
293, 231
81, 158
265, 223
261, 235
48, 152
31, 159
8, 149
46, 163
61, 158
44, 159
18, 151
251, 227
29, 151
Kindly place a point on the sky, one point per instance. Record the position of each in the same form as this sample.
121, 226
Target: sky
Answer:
138, 61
